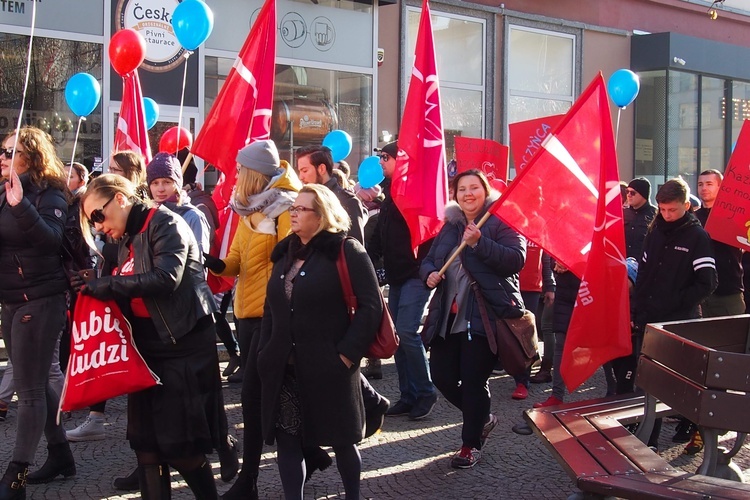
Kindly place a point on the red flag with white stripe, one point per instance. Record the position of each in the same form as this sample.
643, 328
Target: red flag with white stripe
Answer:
132, 132
419, 186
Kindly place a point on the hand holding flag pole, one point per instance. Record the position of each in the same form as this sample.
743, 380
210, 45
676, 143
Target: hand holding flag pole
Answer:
463, 243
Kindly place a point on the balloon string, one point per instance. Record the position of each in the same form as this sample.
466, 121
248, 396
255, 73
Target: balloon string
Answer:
182, 100
75, 144
617, 128
25, 85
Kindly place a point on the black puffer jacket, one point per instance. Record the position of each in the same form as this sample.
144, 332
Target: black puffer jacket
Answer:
31, 236
168, 273
495, 262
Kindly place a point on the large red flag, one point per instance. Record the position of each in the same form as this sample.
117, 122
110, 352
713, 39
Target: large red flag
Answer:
132, 132
420, 182
599, 328
240, 115
553, 200
241, 112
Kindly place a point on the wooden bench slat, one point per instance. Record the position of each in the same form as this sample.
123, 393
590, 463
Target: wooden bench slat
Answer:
645, 459
567, 450
597, 445
655, 487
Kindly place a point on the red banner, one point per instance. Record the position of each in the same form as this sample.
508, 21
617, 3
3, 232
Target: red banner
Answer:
132, 133
729, 220
526, 138
486, 155
419, 186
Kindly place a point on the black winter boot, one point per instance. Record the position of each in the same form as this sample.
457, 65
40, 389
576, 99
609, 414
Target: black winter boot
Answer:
201, 482
13, 483
59, 461
155, 482
245, 488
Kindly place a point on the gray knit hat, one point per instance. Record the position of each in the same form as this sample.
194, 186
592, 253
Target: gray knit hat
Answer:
261, 156
164, 165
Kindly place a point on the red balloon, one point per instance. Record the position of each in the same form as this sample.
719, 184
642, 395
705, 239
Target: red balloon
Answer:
168, 142
127, 50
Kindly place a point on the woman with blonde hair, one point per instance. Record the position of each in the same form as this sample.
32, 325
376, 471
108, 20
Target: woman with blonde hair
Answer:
310, 349
266, 188
132, 166
33, 212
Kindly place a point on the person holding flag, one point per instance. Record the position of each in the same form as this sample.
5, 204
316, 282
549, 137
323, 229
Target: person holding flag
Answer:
461, 360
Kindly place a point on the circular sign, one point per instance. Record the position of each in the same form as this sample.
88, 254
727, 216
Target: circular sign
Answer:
153, 20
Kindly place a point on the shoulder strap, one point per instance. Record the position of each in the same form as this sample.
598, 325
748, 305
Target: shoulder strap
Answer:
150, 215
346, 282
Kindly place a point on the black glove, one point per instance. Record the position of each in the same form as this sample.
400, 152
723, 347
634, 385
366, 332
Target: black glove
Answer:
76, 282
99, 288
214, 264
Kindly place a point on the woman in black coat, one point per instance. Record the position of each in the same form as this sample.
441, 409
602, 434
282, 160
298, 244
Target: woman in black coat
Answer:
161, 288
461, 361
310, 350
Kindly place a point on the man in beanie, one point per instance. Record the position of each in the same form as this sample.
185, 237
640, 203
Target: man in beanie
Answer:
637, 216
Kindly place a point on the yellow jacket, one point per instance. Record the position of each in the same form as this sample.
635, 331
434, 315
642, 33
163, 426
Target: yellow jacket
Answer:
249, 257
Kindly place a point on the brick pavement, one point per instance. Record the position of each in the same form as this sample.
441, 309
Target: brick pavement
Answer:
406, 460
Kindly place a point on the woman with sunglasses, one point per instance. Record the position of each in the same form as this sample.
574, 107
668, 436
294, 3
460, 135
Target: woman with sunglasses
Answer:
161, 288
33, 210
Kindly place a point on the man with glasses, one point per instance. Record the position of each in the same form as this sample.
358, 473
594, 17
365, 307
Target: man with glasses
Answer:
407, 298
637, 216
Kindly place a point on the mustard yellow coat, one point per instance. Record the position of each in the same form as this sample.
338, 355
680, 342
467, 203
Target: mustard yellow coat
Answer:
249, 257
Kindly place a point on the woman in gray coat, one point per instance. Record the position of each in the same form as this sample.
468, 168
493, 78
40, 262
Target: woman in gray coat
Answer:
310, 350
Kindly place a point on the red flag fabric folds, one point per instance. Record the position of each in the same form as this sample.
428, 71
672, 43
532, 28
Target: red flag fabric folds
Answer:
132, 132
567, 200
419, 186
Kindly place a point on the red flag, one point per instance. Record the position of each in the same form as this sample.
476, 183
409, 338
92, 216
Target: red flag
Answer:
420, 182
482, 154
599, 328
526, 138
728, 221
241, 112
553, 201
132, 132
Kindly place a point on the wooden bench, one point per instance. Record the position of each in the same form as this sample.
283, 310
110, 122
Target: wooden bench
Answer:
701, 368
603, 458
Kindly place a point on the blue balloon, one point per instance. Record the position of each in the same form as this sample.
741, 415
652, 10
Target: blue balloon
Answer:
193, 22
82, 93
152, 112
340, 144
370, 172
623, 87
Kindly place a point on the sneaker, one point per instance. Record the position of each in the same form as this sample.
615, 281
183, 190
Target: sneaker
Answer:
488, 427
521, 392
695, 445
550, 401
236, 377
683, 431
423, 407
373, 369
465, 458
232, 366
400, 408
92, 429
374, 418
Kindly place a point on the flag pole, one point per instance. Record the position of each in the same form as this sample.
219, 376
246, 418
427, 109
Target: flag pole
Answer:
463, 243
186, 162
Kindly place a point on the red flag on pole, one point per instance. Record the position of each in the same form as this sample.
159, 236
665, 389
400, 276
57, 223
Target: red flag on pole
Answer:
553, 201
241, 112
526, 138
240, 115
599, 328
420, 182
132, 133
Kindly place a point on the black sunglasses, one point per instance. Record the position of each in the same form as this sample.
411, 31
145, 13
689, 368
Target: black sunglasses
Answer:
97, 215
632, 192
8, 152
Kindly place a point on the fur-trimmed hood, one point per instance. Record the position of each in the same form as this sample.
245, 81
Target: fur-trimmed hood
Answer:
454, 214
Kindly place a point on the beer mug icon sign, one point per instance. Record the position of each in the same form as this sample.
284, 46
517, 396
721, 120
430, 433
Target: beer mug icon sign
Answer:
293, 30
323, 35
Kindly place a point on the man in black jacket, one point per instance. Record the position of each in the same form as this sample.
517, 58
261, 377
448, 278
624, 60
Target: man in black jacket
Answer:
637, 216
407, 298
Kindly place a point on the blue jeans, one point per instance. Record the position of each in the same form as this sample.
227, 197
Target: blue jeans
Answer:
406, 303
31, 330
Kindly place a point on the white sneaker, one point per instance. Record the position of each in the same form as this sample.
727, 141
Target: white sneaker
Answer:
92, 429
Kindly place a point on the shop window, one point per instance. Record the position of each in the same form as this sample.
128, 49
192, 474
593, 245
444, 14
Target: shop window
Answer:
461, 54
308, 104
541, 73
53, 62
